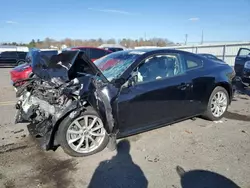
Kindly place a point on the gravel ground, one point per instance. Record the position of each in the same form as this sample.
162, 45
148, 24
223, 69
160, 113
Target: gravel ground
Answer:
190, 154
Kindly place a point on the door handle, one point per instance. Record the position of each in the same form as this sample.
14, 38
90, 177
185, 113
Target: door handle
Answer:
183, 86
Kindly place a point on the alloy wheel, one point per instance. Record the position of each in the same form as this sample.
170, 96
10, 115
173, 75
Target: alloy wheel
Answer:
85, 134
219, 104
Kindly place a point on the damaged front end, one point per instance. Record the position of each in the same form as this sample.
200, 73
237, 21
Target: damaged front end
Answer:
62, 87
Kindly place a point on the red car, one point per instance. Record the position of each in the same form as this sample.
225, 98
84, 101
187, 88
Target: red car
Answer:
24, 71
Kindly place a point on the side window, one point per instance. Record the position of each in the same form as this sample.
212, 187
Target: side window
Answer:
9, 55
192, 62
244, 52
159, 67
22, 55
97, 53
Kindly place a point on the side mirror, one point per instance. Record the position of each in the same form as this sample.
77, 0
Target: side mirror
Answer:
120, 81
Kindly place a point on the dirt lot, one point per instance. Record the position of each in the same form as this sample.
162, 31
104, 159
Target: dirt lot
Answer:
190, 154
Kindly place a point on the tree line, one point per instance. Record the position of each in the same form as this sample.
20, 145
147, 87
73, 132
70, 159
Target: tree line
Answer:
126, 42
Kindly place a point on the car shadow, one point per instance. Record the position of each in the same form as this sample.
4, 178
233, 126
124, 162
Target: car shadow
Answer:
120, 171
235, 116
203, 179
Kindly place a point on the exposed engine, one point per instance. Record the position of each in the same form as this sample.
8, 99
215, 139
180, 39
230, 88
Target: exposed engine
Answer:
63, 87
41, 100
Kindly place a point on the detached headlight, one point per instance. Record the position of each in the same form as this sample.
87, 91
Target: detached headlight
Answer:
247, 65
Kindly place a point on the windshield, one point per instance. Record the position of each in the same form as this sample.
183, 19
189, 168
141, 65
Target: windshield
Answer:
113, 65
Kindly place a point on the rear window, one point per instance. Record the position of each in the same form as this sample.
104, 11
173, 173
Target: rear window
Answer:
97, 53
192, 62
8, 55
49, 53
114, 49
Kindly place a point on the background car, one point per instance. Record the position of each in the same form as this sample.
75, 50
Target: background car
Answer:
113, 49
24, 70
242, 66
12, 58
92, 53
211, 56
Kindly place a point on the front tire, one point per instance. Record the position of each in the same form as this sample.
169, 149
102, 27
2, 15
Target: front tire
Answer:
84, 135
217, 104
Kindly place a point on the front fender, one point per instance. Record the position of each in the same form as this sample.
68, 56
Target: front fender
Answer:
71, 110
102, 105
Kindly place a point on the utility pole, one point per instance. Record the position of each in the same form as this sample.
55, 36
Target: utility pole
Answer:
186, 38
202, 37
145, 36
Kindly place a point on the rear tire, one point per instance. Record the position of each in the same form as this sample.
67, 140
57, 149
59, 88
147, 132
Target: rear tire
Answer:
85, 143
217, 104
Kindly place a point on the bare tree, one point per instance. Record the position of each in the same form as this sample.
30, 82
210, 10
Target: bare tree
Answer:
126, 42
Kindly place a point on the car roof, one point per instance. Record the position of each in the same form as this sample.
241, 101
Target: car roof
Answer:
204, 54
89, 47
155, 50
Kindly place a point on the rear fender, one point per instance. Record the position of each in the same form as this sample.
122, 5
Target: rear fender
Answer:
225, 79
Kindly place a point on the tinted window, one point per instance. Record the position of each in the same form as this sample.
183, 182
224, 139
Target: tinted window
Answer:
49, 53
86, 50
192, 62
22, 55
9, 54
244, 52
114, 49
97, 53
160, 67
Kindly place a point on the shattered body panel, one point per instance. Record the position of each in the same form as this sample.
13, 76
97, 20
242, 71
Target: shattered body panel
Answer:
44, 101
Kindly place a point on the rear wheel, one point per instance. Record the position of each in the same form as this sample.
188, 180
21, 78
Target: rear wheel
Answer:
217, 104
84, 135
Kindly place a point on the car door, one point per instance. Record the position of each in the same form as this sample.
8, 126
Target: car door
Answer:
154, 100
200, 83
242, 56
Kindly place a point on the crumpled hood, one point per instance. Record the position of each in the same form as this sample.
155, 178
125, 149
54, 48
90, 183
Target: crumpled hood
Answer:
64, 66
